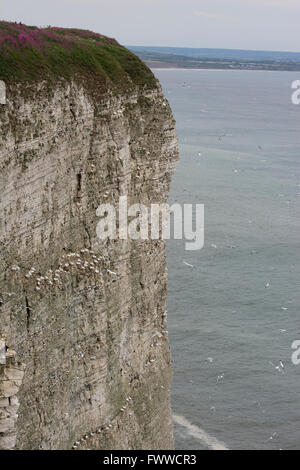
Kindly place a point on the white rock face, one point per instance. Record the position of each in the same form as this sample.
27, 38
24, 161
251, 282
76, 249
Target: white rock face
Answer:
11, 376
2, 92
2, 352
88, 370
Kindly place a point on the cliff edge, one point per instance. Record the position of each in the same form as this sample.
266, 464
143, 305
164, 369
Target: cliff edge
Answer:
84, 355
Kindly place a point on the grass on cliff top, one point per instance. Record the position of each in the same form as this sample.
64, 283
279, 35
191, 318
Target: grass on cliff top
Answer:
28, 54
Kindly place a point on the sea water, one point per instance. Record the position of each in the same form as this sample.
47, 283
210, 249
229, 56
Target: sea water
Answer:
235, 312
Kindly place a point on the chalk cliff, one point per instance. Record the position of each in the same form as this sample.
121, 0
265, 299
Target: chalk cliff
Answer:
84, 355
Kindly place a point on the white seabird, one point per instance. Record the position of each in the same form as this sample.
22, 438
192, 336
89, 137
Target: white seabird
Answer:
188, 264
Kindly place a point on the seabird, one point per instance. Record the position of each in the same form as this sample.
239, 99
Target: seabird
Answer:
111, 272
188, 264
278, 368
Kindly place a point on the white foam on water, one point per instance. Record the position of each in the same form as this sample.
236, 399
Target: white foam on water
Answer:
194, 431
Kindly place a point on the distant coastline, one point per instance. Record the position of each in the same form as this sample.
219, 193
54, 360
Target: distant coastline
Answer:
217, 59
201, 65
215, 70
172, 66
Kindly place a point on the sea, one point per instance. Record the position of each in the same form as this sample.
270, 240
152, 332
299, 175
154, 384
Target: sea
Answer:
234, 305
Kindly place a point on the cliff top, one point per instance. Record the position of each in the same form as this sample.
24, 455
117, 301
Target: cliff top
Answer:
28, 53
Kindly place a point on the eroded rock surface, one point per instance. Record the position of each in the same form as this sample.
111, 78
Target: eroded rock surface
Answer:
11, 377
88, 363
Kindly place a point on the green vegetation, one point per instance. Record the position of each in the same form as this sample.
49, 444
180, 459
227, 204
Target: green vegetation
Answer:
32, 54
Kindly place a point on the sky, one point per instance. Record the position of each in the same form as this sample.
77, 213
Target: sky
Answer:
231, 24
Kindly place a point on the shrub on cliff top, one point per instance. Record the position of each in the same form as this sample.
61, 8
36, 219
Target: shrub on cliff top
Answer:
29, 53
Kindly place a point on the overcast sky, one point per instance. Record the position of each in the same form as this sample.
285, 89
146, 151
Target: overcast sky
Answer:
234, 24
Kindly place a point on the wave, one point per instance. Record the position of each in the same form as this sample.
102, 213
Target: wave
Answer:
198, 433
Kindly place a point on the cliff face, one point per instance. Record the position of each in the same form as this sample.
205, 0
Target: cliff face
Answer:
86, 362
